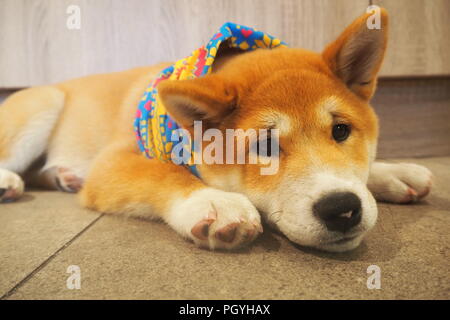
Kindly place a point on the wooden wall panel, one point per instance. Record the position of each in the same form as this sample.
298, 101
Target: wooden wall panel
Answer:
37, 48
419, 43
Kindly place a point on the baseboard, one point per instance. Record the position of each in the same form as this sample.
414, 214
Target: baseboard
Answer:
414, 117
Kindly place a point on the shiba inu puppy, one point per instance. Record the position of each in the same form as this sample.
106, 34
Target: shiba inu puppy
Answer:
77, 136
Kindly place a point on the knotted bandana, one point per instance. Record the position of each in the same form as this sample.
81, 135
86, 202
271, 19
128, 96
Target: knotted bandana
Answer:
152, 125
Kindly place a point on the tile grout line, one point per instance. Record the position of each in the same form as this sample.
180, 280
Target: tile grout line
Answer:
46, 261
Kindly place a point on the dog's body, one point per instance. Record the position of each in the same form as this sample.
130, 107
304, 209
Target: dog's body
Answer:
78, 136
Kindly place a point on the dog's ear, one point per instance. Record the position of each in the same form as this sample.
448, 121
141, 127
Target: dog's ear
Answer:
356, 56
209, 99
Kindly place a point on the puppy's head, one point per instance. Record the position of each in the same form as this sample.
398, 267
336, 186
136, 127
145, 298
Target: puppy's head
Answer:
326, 132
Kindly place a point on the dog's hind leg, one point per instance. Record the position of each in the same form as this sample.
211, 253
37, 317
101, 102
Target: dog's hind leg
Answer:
54, 178
27, 119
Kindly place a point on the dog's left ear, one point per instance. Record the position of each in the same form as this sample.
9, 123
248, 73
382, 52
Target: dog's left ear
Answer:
356, 56
209, 99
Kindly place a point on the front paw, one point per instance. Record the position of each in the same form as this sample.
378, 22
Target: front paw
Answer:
400, 183
11, 186
216, 219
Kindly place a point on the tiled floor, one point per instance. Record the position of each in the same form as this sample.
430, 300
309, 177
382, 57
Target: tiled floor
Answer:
46, 232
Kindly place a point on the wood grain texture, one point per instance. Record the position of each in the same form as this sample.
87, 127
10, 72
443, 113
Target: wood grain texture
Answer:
419, 42
37, 48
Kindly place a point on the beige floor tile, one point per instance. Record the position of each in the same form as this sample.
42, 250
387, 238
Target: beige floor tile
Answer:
140, 259
33, 229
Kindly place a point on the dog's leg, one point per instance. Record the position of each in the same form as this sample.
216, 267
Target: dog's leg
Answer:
122, 181
27, 119
55, 178
399, 182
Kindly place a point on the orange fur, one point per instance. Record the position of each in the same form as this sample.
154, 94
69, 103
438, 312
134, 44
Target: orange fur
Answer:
94, 133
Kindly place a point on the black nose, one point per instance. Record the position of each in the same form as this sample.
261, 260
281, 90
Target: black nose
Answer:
339, 210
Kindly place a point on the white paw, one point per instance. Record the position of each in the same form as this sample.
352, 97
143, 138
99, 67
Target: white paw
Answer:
400, 182
11, 186
67, 180
216, 219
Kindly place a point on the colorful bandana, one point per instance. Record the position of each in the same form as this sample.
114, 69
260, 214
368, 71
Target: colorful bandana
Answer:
152, 125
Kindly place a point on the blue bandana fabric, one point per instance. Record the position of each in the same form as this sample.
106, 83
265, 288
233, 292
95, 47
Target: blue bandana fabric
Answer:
153, 126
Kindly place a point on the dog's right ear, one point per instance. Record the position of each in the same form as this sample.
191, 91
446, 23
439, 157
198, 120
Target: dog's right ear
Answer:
208, 99
356, 56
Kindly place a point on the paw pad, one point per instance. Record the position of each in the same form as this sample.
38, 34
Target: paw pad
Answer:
232, 234
227, 233
201, 229
427, 189
8, 195
67, 181
11, 186
217, 219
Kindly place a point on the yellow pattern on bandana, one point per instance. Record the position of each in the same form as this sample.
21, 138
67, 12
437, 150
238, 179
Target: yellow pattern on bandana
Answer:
153, 126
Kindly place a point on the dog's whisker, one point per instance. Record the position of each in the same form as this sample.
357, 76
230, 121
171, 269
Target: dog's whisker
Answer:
273, 217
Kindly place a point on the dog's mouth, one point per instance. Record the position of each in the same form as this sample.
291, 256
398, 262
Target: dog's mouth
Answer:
342, 244
344, 240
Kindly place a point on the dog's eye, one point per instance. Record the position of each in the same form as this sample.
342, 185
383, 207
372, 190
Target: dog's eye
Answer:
264, 147
341, 132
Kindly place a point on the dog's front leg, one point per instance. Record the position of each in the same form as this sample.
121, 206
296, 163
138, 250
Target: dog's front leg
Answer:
122, 181
399, 182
